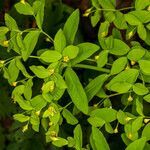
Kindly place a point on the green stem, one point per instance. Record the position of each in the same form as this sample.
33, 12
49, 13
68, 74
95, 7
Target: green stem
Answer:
37, 57
50, 38
92, 68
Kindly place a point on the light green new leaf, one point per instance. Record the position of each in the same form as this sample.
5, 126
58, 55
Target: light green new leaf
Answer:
71, 27
146, 132
69, 117
118, 65
144, 66
3, 30
137, 124
140, 5
76, 90
48, 87
139, 106
140, 89
85, 51
71, 51
38, 102
24, 9
136, 53
59, 41
96, 121
95, 18
40, 71
98, 141
107, 114
106, 4
147, 98
141, 31
119, 48
78, 137
137, 144
50, 56
28, 89
21, 117
103, 58
30, 42
95, 85
60, 142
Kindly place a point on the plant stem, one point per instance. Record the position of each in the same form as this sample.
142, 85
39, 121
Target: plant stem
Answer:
34, 57
50, 38
92, 68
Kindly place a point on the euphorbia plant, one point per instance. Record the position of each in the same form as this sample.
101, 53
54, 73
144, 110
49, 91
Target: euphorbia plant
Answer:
115, 92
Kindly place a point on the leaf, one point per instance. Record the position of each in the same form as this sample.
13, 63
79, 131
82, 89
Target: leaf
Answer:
98, 141
139, 106
30, 42
146, 132
136, 54
106, 4
137, 144
38, 102
48, 87
102, 58
140, 5
95, 18
107, 114
137, 124
141, 31
69, 117
59, 41
119, 48
140, 89
85, 51
76, 90
147, 98
40, 71
3, 30
10, 22
125, 79
60, 142
95, 85
118, 65
50, 56
71, 27
144, 66
78, 137
28, 89
71, 51
24, 9
96, 121
21, 117
121, 116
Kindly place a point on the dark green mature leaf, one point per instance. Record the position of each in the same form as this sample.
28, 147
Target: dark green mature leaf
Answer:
95, 85
71, 27
59, 41
107, 114
85, 51
50, 56
98, 141
78, 137
137, 144
30, 42
76, 90
24, 9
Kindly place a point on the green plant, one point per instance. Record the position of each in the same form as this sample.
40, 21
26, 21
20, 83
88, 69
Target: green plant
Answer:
57, 93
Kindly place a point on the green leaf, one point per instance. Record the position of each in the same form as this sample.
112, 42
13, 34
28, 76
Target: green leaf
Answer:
121, 116
28, 89
50, 56
40, 71
137, 124
76, 90
136, 53
146, 132
107, 114
10, 22
21, 117
106, 4
147, 98
24, 9
102, 58
141, 31
119, 48
95, 85
85, 51
60, 142
95, 18
139, 106
125, 79
48, 87
59, 41
71, 51
78, 137
140, 89
140, 5
137, 144
144, 66
98, 141
96, 121
71, 27
38, 102
30, 42
118, 65
69, 117
3, 30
